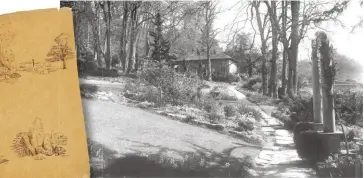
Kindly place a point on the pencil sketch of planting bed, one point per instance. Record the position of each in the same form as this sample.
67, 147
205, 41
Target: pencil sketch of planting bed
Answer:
3, 160
39, 144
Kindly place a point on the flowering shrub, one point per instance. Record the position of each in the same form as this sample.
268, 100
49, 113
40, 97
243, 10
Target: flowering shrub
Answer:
174, 88
247, 121
244, 109
230, 110
341, 166
252, 81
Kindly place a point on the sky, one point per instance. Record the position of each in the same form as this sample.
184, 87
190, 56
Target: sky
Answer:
349, 44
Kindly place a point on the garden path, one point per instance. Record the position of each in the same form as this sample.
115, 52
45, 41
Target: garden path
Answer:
279, 158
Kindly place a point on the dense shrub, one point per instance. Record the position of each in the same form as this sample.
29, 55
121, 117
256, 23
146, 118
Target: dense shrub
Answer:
283, 117
215, 117
230, 110
210, 105
298, 128
225, 77
257, 87
83, 67
293, 111
88, 89
86, 62
349, 106
341, 166
252, 137
115, 60
247, 122
252, 81
245, 109
176, 89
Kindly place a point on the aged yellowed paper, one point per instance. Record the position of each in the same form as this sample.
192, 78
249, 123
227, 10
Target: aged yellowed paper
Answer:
42, 131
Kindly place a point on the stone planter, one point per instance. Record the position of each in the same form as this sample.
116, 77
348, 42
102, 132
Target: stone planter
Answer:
308, 145
330, 143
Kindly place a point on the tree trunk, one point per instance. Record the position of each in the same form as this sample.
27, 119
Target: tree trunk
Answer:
95, 29
133, 33
264, 73
127, 45
263, 48
285, 48
98, 43
208, 25
147, 44
136, 66
293, 53
284, 70
272, 82
250, 68
108, 35
63, 63
123, 38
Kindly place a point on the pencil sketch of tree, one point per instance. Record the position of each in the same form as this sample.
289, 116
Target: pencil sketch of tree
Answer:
60, 51
7, 63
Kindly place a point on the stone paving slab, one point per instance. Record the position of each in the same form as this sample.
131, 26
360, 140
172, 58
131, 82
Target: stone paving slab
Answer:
268, 129
283, 143
283, 133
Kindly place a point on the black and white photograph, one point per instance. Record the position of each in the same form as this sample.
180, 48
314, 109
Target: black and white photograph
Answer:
234, 88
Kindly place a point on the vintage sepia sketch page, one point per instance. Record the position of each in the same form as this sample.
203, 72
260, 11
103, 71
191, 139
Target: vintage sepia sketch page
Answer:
42, 131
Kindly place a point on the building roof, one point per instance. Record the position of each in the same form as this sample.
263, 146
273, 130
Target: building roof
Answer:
220, 56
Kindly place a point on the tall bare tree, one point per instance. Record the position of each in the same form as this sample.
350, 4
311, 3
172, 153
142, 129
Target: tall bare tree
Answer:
106, 6
272, 9
262, 26
124, 32
208, 34
293, 53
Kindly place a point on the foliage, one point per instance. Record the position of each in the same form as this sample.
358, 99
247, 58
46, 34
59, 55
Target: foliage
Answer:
174, 88
209, 105
225, 77
283, 117
252, 81
247, 121
60, 51
7, 65
230, 110
115, 60
341, 166
349, 105
297, 129
161, 46
215, 116
245, 109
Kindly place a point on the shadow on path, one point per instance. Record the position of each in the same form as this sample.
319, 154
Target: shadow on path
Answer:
166, 162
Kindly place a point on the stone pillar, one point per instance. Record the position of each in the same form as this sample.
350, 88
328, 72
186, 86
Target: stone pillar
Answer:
316, 87
327, 77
